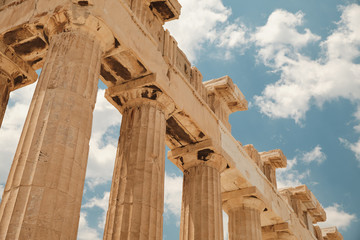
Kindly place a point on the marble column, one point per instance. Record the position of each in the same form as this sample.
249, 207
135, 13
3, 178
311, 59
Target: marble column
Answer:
201, 211
136, 201
43, 193
244, 218
4, 95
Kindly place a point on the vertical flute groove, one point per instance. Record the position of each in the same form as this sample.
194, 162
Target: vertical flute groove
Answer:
244, 224
43, 193
136, 198
201, 216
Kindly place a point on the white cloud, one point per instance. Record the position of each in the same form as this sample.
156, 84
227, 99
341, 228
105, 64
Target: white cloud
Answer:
314, 155
85, 232
279, 37
355, 147
225, 226
337, 217
304, 81
291, 176
208, 24
344, 42
12, 126
1, 190
173, 194
103, 144
102, 203
357, 117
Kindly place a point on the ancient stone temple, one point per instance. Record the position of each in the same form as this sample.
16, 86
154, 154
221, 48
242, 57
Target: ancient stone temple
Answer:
163, 101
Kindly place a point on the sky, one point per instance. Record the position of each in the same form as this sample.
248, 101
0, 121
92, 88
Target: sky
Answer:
298, 65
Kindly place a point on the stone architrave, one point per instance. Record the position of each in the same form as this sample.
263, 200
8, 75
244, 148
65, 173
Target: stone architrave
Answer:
136, 201
14, 74
244, 218
285, 236
43, 193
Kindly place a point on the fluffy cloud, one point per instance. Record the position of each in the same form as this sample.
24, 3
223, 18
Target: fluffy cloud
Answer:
173, 194
280, 42
102, 203
291, 176
355, 147
1, 190
315, 155
12, 126
208, 24
85, 232
103, 143
279, 37
337, 217
304, 81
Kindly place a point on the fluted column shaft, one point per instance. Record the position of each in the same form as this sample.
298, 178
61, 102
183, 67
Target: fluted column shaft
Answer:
244, 218
43, 193
201, 211
137, 192
4, 96
242, 224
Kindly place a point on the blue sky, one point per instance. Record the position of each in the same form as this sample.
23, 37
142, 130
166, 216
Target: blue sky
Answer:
297, 63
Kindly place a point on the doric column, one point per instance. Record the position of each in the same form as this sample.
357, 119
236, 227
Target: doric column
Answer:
244, 218
136, 201
4, 95
43, 193
201, 210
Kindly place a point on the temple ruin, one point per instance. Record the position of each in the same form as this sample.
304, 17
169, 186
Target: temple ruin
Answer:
163, 101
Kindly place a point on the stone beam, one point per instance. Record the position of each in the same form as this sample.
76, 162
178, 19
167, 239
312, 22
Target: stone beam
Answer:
166, 10
224, 98
331, 233
277, 232
308, 200
254, 155
142, 34
271, 161
318, 233
14, 74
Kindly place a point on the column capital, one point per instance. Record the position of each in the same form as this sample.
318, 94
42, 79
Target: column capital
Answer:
140, 91
78, 18
244, 202
202, 153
